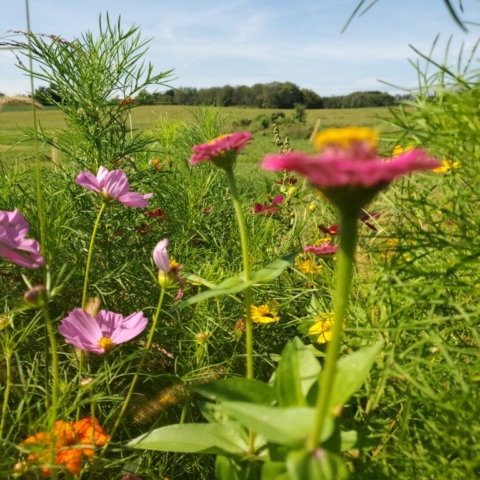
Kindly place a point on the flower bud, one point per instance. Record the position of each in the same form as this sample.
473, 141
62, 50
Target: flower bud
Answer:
240, 328
201, 337
36, 297
4, 322
85, 382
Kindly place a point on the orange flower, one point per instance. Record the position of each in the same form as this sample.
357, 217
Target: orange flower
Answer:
66, 435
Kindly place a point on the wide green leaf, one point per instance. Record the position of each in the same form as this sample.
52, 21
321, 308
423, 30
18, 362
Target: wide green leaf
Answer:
318, 465
228, 469
352, 370
297, 371
284, 426
238, 389
238, 284
272, 470
219, 439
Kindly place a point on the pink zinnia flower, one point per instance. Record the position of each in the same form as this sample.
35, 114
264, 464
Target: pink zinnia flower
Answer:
13, 244
223, 150
325, 248
113, 185
100, 334
348, 170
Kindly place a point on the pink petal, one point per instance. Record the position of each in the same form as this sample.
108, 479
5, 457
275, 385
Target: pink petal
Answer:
160, 256
88, 180
129, 328
134, 199
116, 184
101, 175
81, 330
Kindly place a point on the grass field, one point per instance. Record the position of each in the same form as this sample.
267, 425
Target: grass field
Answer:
14, 146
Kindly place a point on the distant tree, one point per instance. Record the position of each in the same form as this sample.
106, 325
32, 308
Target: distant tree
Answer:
48, 95
311, 99
2, 94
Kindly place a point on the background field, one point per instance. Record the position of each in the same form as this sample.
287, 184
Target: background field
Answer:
14, 146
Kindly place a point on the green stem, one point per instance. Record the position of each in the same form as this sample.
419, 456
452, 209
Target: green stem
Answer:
89, 258
134, 381
54, 404
348, 229
246, 266
8, 386
182, 421
248, 291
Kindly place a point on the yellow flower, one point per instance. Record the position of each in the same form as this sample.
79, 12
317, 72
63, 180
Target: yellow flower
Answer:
446, 166
291, 191
346, 137
312, 207
308, 266
323, 327
319, 242
398, 149
263, 314
388, 250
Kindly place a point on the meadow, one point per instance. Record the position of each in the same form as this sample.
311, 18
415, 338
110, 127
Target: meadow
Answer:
178, 306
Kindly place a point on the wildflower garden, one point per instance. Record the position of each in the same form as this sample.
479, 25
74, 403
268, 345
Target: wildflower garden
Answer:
168, 314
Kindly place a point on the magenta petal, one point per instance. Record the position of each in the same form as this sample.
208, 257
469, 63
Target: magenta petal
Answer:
134, 199
116, 184
81, 330
278, 199
160, 256
129, 328
88, 180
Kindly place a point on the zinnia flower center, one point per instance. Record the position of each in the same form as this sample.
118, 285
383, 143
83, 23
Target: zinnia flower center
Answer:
106, 343
346, 137
216, 139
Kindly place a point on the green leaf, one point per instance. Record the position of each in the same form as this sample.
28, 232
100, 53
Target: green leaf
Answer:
284, 426
352, 370
227, 469
317, 465
271, 470
238, 284
238, 389
220, 439
297, 371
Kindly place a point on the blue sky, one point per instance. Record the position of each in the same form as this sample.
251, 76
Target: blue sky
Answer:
242, 42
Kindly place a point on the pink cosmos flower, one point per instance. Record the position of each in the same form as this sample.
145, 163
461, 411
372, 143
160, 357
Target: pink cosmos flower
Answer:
223, 150
348, 170
100, 334
113, 185
168, 270
13, 244
325, 248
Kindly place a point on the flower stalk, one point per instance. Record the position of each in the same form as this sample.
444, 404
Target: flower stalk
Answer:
90, 252
346, 255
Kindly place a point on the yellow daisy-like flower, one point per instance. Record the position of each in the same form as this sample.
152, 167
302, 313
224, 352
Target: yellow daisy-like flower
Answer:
263, 314
320, 241
446, 166
322, 327
308, 266
312, 207
388, 250
346, 137
398, 149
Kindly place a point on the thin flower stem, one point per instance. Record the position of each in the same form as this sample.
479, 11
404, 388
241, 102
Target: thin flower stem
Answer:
89, 258
182, 421
246, 268
348, 229
8, 386
134, 381
54, 402
248, 292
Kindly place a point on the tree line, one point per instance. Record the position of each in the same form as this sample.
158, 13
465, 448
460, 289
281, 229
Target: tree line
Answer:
281, 95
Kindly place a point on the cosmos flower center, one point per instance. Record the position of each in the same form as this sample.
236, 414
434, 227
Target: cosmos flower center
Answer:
106, 343
346, 137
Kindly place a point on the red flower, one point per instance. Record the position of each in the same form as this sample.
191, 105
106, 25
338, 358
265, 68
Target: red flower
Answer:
333, 230
159, 214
